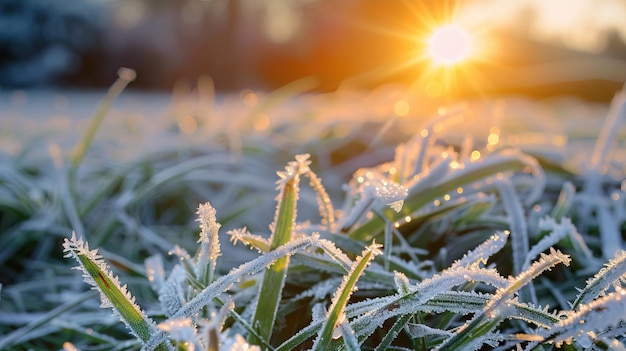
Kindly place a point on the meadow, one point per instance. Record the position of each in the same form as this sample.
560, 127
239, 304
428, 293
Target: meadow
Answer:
354, 220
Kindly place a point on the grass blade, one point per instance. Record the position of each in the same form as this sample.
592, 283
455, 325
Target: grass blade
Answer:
125, 76
340, 300
96, 273
274, 277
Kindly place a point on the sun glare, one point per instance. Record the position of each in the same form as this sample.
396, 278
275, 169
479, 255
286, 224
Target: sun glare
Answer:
449, 45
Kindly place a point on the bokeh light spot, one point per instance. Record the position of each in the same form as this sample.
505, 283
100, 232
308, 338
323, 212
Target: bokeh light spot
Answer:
401, 108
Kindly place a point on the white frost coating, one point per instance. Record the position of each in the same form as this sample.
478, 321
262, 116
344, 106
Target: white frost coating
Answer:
602, 281
479, 256
209, 243
172, 293
558, 231
422, 330
180, 330
592, 183
402, 282
347, 287
610, 234
597, 316
75, 247
292, 173
420, 295
242, 234
545, 262
348, 335
225, 282
325, 205
519, 232
374, 188
449, 278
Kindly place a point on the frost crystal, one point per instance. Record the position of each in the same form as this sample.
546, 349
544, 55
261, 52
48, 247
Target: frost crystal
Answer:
209, 243
481, 254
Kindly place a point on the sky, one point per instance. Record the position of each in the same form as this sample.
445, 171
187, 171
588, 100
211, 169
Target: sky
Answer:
579, 24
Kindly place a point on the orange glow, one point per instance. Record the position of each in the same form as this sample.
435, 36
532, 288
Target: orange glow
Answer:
449, 45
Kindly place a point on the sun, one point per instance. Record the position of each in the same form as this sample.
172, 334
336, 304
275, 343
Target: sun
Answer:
449, 45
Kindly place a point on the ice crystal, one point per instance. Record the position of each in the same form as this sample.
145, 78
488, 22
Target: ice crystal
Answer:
326, 209
243, 235
598, 316
172, 292
602, 281
206, 259
558, 231
480, 255
545, 262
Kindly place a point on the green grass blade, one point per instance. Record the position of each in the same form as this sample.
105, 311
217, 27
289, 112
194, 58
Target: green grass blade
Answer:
96, 273
340, 300
274, 277
125, 77
598, 285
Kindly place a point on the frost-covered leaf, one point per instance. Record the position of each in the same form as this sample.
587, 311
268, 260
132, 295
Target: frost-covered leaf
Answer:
478, 330
340, 299
113, 295
325, 205
590, 320
372, 188
614, 270
482, 252
256, 241
558, 231
223, 283
173, 291
519, 232
422, 330
206, 259
282, 229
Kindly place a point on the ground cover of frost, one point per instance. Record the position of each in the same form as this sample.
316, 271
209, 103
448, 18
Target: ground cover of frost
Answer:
493, 224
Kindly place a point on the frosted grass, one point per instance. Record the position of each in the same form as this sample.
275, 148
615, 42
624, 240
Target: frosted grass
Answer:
447, 205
